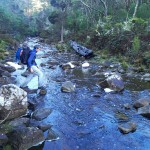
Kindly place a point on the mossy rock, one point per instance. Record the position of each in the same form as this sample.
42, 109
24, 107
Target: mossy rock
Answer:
5, 128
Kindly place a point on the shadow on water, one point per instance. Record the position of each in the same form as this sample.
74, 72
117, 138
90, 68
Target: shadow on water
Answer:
85, 122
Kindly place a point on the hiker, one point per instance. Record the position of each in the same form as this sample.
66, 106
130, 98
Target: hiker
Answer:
18, 54
33, 68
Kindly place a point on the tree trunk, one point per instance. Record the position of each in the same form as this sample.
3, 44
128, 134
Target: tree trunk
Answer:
62, 32
136, 7
105, 7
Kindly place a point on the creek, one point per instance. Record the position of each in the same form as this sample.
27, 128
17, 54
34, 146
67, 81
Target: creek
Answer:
80, 119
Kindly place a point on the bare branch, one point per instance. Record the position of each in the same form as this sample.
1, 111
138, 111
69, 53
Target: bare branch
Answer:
136, 7
5, 117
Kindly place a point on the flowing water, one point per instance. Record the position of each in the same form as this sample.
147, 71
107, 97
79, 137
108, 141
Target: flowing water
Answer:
83, 121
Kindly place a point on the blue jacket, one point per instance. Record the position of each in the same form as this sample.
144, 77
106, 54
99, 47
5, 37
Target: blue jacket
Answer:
18, 53
31, 59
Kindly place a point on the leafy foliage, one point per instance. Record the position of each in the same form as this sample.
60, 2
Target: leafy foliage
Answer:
136, 45
2, 49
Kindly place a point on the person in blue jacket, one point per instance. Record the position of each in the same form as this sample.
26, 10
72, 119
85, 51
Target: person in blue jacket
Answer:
33, 68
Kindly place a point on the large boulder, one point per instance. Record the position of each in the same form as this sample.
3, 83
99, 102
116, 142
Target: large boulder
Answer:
22, 138
115, 82
13, 102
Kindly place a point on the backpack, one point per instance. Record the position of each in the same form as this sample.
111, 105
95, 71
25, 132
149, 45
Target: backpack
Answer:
25, 55
18, 53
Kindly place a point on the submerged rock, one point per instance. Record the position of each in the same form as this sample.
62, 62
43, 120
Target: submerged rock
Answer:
121, 116
127, 106
51, 135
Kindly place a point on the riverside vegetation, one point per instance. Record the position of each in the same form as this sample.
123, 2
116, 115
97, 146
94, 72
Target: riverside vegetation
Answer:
119, 30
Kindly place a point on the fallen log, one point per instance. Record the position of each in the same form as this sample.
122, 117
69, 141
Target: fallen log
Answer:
83, 51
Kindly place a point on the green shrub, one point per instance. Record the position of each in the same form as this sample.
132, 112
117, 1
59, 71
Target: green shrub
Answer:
125, 65
2, 49
136, 45
139, 25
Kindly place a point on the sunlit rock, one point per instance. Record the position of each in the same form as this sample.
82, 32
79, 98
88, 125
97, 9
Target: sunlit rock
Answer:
16, 66
68, 65
107, 90
115, 82
68, 86
85, 64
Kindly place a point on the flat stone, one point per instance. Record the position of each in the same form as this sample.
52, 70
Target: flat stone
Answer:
41, 114
141, 102
127, 127
144, 111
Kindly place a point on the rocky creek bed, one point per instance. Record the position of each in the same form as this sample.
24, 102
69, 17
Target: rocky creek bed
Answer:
87, 105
